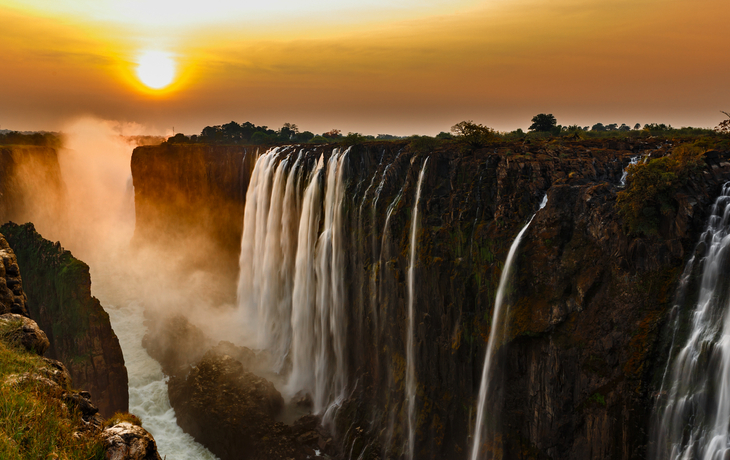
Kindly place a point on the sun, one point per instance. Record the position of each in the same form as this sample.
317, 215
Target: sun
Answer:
155, 69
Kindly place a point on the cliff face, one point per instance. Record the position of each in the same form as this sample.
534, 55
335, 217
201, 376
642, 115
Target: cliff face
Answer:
12, 297
189, 204
58, 287
576, 370
31, 187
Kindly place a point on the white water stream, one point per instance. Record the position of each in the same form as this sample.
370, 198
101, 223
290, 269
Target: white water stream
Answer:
291, 290
148, 397
633, 161
692, 420
497, 323
411, 352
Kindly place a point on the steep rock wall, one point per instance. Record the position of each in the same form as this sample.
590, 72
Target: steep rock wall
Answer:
12, 297
58, 287
192, 197
31, 187
585, 309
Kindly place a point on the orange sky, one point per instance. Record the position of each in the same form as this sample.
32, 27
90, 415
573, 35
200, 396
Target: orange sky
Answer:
370, 66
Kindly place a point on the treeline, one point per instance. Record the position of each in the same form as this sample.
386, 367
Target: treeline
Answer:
41, 139
249, 133
543, 126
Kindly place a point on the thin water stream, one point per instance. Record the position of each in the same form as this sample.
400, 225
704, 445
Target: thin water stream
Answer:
498, 322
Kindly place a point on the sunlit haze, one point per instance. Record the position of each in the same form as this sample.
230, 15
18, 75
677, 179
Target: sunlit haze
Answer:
156, 69
398, 67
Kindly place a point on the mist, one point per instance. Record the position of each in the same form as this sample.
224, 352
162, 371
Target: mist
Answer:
82, 195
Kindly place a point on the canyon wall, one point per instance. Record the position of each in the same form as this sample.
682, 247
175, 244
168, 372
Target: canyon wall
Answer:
32, 188
578, 365
189, 204
58, 287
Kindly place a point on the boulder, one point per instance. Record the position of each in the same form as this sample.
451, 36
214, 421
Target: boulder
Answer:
232, 412
126, 441
174, 342
19, 330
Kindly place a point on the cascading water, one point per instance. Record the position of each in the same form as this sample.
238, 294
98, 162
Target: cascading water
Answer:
291, 287
692, 420
498, 322
633, 161
411, 352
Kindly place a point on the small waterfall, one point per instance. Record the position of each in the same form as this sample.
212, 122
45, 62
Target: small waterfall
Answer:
633, 161
497, 322
692, 420
291, 290
411, 352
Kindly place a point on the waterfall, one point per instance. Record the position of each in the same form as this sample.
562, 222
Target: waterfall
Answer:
634, 160
497, 322
291, 291
411, 358
692, 420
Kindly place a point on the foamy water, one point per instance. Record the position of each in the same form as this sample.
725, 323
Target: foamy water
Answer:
148, 397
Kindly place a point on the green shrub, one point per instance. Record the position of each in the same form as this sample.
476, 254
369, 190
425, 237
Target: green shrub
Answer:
651, 188
598, 398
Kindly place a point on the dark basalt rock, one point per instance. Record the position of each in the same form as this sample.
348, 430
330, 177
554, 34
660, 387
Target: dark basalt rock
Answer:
12, 297
58, 287
587, 305
231, 411
174, 342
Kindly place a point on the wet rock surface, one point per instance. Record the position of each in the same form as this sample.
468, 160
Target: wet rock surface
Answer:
232, 412
586, 308
174, 342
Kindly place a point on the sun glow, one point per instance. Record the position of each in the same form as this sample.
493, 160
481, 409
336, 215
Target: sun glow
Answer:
156, 69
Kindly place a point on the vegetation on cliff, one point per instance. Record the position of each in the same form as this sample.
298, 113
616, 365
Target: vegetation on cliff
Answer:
35, 421
40, 139
652, 186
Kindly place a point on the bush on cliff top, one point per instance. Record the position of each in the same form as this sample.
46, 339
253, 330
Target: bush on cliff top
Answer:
652, 186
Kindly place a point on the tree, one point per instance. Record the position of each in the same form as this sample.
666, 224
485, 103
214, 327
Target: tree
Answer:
178, 138
332, 134
288, 132
305, 136
231, 131
598, 127
472, 134
724, 126
543, 122
637, 126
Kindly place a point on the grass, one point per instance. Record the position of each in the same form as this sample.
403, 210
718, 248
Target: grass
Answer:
34, 422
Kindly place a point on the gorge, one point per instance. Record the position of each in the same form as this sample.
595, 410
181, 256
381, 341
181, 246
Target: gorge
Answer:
371, 284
